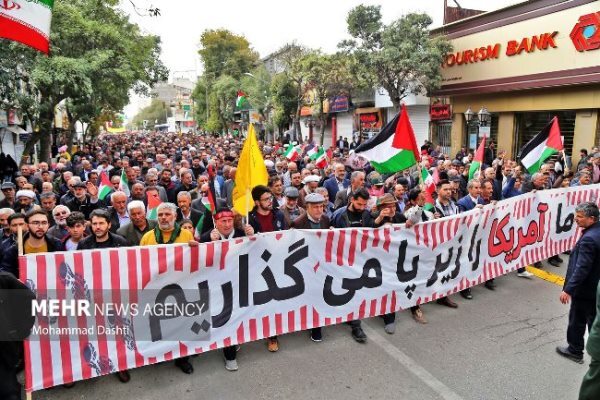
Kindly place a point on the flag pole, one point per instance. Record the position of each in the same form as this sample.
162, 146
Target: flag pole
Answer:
20, 249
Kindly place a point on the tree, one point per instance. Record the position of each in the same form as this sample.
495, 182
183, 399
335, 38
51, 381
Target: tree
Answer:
401, 57
328, 75
225, 53
290, 56
155, 113
97, 56
285, 102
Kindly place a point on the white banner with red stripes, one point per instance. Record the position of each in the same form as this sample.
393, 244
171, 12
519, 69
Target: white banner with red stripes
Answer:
102, 311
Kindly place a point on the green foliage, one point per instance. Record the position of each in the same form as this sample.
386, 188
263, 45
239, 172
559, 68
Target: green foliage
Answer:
155, 113
283, 94
401, 57
225, 53
96, 57
327, 75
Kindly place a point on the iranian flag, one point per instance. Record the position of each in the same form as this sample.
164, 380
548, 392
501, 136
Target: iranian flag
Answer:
105, 186
124, 183
241, 99
153, 203
429, 189
27, 22
477, 160
394, 148
292, 152
319, 157
541, 147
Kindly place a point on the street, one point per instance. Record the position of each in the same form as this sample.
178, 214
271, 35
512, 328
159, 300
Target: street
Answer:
500, 345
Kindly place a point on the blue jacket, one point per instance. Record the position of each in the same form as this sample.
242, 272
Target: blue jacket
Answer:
466, 203
509, 190
332, 186
583, 272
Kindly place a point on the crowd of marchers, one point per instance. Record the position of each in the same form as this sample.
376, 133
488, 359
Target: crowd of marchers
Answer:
66, 204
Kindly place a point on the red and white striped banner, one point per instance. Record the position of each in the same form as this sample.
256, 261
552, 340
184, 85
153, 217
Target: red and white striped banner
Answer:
272, 284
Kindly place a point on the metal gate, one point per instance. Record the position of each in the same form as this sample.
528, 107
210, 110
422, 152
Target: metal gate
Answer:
444, 136
530, 124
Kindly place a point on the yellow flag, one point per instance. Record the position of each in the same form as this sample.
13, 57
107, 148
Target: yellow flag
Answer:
251, 172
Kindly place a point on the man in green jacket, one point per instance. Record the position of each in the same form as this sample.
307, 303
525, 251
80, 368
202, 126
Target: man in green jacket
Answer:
590, 387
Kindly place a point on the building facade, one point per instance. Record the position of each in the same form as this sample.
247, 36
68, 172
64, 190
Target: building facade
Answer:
526, 64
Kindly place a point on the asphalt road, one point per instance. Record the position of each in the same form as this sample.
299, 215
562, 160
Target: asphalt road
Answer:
500, 345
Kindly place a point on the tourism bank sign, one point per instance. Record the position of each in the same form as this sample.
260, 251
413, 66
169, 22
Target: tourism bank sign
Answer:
558, 46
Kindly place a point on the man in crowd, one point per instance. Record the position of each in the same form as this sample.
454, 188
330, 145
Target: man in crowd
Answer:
290, 209
8, 190
355, 215
139, 225
264, 218
85, 198
59, 230
357, 181
224, 229
338, 181
581, 282
118, 211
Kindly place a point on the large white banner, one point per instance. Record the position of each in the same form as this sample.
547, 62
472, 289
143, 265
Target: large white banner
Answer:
101, 311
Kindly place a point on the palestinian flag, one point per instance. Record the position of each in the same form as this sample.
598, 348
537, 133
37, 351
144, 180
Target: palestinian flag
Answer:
394, 148
153, 203
241, 99
27, 22
428, 188
124, 183
292, 152
210, 208
541, 147
477, 160
105, 186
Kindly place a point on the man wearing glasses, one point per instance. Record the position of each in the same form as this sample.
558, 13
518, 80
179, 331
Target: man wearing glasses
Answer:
263, 218
34, 241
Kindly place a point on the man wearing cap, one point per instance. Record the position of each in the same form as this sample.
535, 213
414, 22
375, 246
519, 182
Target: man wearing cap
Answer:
224, 229
314, 218
24, 202
85, 198
8, 190
290, 209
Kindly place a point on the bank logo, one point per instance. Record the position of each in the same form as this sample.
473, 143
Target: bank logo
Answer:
586, 33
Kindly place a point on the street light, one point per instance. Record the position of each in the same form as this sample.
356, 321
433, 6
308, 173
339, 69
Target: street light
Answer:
469, 115
484, 116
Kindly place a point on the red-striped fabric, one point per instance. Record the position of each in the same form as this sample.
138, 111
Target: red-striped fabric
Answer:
339, 254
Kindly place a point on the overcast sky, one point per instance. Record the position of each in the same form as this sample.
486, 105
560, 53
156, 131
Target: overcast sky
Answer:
267, 24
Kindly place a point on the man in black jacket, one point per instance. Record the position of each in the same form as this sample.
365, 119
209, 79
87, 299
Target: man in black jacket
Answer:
102, 237
85, 198
581, 281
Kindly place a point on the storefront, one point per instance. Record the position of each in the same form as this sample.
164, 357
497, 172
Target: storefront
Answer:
526, 64
417, 107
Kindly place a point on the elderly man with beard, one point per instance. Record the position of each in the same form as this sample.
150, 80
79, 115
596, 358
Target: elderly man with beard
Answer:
168, 232
59, 230
224, 229
25, 201
4, 227
137, 191
139, 225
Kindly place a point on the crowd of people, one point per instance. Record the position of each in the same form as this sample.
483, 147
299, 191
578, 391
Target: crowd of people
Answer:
59, 206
